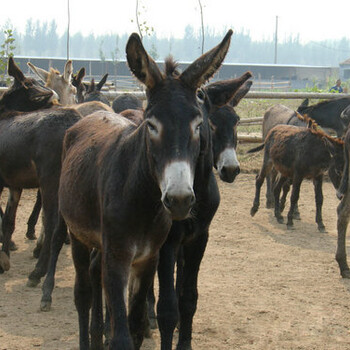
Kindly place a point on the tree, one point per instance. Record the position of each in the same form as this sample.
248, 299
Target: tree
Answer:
142, 26
7, 48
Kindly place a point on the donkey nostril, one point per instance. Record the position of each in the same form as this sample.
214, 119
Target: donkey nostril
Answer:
192, 200
167, 201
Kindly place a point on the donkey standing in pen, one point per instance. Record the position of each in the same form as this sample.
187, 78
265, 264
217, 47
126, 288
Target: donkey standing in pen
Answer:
30, 156
69, 88
297, 153
190, 236
114, 171
223, 121
66, 91
327, 114
343, 210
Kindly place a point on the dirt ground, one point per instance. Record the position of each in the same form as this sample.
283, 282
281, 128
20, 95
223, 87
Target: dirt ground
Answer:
261, 286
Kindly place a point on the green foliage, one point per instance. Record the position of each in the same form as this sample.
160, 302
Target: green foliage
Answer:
143, 27
7, 48
153, 52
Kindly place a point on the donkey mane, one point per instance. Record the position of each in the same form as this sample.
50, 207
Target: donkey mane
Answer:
313, 127
171, 67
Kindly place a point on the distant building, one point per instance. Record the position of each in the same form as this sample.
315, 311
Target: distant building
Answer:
344, 70
297, 76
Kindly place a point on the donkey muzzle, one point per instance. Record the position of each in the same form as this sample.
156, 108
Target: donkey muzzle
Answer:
177, 190
228, 165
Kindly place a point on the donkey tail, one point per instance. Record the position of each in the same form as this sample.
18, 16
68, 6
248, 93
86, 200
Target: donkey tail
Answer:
256, 149
344, 182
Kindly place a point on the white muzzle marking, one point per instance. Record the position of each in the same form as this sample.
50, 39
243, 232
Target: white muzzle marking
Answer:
177, 179
228, 159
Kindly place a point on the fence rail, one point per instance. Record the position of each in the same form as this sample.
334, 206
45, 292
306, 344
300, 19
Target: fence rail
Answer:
111, 95
242, 137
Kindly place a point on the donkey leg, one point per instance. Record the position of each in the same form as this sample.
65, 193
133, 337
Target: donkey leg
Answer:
96, 326
82, 290
151, 302
8, 226
343, 212
277, 191
270, 180
319, 201
285, 191
142, 276
167, 306
33, 219
297, 180
193, 254
115, 274
265, 169
50, 216
58, 238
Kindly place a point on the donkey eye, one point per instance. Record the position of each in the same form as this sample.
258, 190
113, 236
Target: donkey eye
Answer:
212, 126
200, 95
152, 128
198, 128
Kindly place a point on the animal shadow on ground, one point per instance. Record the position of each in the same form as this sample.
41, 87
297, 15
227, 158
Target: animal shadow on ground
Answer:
305, 234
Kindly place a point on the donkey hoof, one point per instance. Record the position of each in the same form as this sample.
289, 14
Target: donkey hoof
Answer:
36, 252
45, 306
4, 261
290, 227
13, 246
31, 235
270, 205
280, 219
345, 273
33, 280
184, 346
322, 228
253, 210
153, 323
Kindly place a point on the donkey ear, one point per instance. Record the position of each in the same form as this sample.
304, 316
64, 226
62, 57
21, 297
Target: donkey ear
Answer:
242, 91
91, 86
205, 66
80, 75
14, 70
141, 64
41, 73
68, 70
102, 82
221, 92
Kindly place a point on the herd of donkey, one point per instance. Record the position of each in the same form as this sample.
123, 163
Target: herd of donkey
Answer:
98, 167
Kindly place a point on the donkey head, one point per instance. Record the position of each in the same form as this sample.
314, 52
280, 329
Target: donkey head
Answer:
77, 82
224, 95
25, 94
61, 84
173, 119
93, 92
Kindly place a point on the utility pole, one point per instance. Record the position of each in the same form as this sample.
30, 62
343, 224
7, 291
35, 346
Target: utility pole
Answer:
68, 25
276, 31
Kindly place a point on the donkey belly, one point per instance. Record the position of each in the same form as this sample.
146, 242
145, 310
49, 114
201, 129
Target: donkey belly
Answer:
20, 175
81, 218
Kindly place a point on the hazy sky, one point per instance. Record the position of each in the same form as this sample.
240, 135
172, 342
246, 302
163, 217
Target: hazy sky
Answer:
312, 20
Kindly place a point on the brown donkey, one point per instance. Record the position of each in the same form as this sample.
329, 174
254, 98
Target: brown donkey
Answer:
343, 211
60, 83
114, 172
297, 154
30, 155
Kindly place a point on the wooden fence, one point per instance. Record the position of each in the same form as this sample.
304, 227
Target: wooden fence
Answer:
111, 94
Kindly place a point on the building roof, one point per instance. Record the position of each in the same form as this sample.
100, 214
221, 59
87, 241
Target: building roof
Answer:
346, 62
